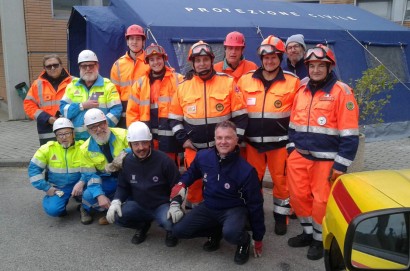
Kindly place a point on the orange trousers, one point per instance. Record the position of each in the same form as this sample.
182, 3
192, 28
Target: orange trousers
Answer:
195, 190
276, 161
308, 186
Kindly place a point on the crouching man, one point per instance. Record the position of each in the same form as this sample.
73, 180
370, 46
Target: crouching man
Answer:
232, 197
144, 186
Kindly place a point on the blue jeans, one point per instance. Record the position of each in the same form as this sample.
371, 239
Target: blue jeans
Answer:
203, 222
134, 216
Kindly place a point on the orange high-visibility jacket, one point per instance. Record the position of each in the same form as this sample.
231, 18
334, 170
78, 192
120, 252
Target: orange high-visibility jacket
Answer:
154, 109
324, 126
268, 109
125, 72
243, 67
197, 106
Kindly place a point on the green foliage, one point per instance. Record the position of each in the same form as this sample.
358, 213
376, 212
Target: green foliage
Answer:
371, 93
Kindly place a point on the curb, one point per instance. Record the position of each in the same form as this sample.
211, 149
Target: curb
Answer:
8, 163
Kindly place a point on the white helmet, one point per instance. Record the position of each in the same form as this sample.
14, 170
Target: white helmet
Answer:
93, 115
138, 131
87, 55
61, 123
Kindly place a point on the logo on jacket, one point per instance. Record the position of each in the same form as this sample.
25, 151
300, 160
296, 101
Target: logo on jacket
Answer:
321, 120
219, 107
133, 179
77, 93
191, 109
278, 104
54, 157
327, 97
227, 185
155, 179
350, 106
204, 178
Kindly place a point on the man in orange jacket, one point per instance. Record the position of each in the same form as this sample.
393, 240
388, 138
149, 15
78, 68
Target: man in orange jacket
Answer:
150, 100
234, 63
128, 68
43, 98
269, 93
323, 140
199, 104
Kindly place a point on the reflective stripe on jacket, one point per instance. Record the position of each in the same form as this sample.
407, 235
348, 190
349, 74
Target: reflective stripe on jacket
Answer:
199, 105
63, 166
76, 93
325, 125
93, 161
142, 106
268, 110
243, 67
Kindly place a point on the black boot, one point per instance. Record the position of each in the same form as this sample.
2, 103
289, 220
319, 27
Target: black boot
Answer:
280, 224
302, 240
213, 241
141, 233
170, 240
242, 251
315, 251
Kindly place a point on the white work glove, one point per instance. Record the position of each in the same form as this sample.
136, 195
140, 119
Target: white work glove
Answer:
175, 212
178, 190
116, 164
114, 208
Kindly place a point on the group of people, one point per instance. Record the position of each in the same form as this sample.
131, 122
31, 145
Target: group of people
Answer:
116, 144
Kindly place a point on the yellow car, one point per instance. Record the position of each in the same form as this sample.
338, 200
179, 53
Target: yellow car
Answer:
367, 222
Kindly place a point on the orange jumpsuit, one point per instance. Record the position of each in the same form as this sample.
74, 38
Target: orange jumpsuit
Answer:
196, 107
269, 108
124, 73
323, 134
42, 102
149, 102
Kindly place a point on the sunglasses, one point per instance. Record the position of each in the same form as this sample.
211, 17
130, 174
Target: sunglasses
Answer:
202, 49
52, 66
318, 52
87, 66
266, 49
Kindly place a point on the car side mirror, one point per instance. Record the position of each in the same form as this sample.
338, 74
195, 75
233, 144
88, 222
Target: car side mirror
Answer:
379, 240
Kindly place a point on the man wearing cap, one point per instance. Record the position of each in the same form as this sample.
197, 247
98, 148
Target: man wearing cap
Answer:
129, 67
103, 146
295, 50
234, 63
199, 104
62, 160
43, 98
91, 90
144, 186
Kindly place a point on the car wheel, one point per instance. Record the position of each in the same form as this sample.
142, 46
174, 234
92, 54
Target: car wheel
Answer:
334, 259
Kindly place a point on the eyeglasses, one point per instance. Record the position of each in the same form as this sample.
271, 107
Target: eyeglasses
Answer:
202, 49
63, 135
266, 49
87, 66
318, 52
94, 127
296, 46
152, 50
52, 66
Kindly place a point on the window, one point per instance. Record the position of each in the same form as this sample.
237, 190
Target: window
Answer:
393, 57
407, 14
382, 8
62, 8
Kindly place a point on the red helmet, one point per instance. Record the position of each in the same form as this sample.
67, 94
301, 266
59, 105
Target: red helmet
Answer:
200, 49
155, 49
271, 45
321, 53
235, 39
135, 30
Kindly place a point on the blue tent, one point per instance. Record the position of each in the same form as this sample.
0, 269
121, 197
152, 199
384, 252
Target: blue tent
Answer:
356, 36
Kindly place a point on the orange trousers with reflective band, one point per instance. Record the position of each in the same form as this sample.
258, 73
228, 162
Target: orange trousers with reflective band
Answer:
195, 190
276, 161
309, 186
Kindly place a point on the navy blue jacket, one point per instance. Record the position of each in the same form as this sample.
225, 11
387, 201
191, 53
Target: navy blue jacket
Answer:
148, 182
299, 69
228, 183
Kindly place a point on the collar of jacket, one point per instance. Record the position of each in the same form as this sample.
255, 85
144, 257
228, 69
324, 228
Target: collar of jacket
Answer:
301, 62
93, 145
258, 75
98, 83
230, 157
326, 85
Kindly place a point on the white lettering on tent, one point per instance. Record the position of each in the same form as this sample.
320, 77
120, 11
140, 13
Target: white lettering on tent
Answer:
271, 12
189, 9
239, 10
332, 17
203, 10
217, 10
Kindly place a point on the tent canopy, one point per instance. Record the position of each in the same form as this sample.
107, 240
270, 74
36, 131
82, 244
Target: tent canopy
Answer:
176, 24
